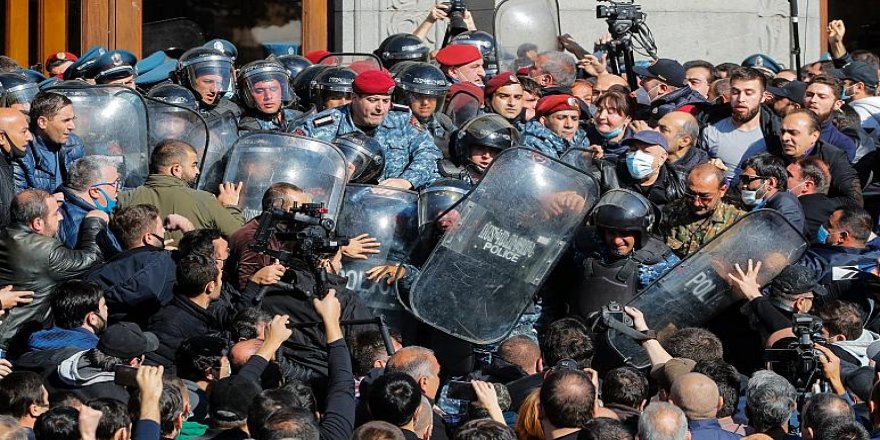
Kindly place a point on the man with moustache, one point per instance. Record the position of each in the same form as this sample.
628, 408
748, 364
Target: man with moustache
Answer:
14, 136
822, 97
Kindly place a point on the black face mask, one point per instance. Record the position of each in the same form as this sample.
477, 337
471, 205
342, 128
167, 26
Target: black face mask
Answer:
14, 152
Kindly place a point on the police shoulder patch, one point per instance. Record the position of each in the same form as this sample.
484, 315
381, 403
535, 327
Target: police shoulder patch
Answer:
323, 120
416, 123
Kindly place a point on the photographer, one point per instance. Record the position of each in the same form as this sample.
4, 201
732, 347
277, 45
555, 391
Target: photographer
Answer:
439, 12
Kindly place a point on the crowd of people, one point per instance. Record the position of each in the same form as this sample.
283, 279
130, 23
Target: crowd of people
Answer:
157, 303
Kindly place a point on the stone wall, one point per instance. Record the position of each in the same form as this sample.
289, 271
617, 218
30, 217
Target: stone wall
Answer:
714, 30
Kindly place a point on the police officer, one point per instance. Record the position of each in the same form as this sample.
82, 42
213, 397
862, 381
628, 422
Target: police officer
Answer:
58, 62
475, 145
293, 63
332, 87
18, 91
81, 68
410, 154
504, 96
363, 155
768, 66
421, 86
483, 41
224, 46
115, 67
208, 73
176, 95
302, 86
173, 123
621, 254
401, 47
555, 128
462, 63
264, 89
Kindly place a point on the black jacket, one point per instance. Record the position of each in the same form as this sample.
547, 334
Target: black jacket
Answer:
845, 186
7, 190
136, 283
670, 184
30, 261
669, 103
817, 209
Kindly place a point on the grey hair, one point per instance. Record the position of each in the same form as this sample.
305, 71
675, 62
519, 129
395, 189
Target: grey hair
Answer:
560, 65
770, 399
691, 128
662, 421
87, 171
418, 366
11, 430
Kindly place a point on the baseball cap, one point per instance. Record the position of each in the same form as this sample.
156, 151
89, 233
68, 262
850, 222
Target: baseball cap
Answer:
125, 340
796, 280
668, 71
650, 137
794, 91
859, 71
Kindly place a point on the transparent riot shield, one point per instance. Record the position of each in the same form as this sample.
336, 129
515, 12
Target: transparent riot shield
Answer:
169, 121
388, 215
698, 288
259, 159
461, 108
511, 230
112, 121
522, 26
359, 62
222, 133
579, 158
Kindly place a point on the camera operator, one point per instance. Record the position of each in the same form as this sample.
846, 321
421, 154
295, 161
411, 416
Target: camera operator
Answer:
842, 326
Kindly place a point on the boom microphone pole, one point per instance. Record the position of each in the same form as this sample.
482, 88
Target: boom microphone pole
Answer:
796, 39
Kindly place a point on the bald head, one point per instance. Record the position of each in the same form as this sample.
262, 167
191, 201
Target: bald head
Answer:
681, 131
706, 175
15, 126
242, 351
606, 80
697, 395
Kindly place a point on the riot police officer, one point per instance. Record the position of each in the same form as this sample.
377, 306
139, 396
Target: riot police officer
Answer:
504, 95
486, 43
18, 91
401, 47
302, 86
421, 86
332, 87
621, 256
208, 73
264, 89
115, 67
294, 64
475, 145
175, 95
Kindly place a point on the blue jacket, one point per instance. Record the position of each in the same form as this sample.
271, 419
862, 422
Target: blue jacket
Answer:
409, 149
57, 338
831, 135
45, 167
538, 137
788, 205
709, 429
136, 283
73, 210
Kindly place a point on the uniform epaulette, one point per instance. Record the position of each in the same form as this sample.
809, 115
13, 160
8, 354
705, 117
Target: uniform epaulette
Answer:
323, 120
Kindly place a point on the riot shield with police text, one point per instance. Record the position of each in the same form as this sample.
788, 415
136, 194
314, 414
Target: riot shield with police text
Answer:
222, 133
112, 120
390, 216
508, 234
698, 288
260, 158
523, 27
169, 121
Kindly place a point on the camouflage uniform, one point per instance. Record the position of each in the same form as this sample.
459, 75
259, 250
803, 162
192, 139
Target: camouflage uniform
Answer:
685, 233
409, 150
538, 137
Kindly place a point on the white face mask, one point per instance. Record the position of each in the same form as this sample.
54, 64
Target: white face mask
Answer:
639, 164
750, 198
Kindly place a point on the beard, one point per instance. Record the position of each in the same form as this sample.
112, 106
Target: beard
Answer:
746, 117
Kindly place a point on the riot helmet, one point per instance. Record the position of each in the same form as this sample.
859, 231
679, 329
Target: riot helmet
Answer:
293, 63
224, 46
422, 78
264, 86
364, 155
490, 131
625, 210
18, 91
399, 67
207, 72
175, 95
333, 84
486, 43
402, 47
438, 197
302, 84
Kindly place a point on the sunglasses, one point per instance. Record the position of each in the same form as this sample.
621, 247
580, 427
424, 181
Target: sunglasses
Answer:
749, 179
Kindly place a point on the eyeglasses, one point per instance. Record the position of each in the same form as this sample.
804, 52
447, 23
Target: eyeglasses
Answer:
702, 197
116, 184
749, 179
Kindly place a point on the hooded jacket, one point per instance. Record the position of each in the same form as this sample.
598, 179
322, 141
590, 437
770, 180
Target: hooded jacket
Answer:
859, 346
75, 374
869, 112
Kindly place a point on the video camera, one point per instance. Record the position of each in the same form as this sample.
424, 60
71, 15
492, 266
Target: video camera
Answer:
799, 360
620, 11
308, 235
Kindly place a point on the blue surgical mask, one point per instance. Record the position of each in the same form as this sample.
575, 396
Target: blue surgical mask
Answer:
110, 203
639, 164
822, 234
613, 133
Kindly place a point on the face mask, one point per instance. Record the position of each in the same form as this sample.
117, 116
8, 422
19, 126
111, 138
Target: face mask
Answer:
822, 234
108, 208
792, 189
750, 198
613, 133
639, 164
845, 96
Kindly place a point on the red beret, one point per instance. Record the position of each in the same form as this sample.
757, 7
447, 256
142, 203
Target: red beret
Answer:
458, 55
500, 80
466, 87
65, 56
524, 71
316, 55
554, 103
373, 82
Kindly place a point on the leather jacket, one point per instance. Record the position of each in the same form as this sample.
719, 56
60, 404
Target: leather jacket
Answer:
30, 261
